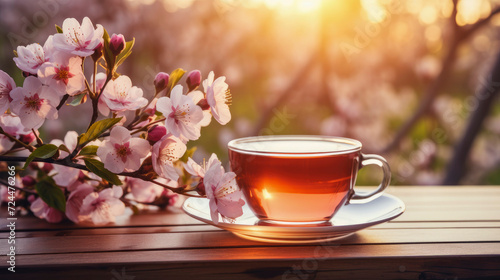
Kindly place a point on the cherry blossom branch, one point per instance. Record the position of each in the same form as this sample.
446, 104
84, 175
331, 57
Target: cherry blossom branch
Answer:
14, 139
148, 125
95, 74
63, 100
95, 101
178, 190
63, 162
68, 163
38, 139
16, 187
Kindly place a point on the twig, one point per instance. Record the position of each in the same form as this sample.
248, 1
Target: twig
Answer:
47, 160
38, 139
14, 139
16, 187
176, 190
63, 100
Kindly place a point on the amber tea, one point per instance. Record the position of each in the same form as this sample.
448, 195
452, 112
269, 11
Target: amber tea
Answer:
297, 179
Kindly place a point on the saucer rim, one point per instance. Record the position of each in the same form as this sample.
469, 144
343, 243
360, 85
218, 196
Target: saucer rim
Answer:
314, 231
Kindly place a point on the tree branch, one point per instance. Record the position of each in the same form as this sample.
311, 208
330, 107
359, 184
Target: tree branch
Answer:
459, 36
485, 98
468, 30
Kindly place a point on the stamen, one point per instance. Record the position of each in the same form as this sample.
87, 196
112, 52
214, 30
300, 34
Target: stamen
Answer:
229, 98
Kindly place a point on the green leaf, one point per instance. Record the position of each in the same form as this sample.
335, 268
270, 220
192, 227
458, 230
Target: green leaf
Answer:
77, 99
62, 147
96, 130
44, 151
108, 55
51, 194
98, 169
59, 29
175, 77
125, 53
189, 153
89, 150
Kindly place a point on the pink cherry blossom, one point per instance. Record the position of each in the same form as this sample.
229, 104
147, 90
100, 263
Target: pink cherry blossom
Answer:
64, 74
103, 207
119, 95
75, 202
198, 170
218, 98
7, 84
31, 57
182, 115
66, 176
78, 40
223, 193
198, 96
165, 152
34, 103
121, 152
44, 211
144, 191
11, 124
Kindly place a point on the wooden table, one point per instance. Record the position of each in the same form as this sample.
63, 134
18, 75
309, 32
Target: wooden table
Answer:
445, 233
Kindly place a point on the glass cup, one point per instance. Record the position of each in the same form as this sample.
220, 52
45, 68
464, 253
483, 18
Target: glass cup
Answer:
300, 180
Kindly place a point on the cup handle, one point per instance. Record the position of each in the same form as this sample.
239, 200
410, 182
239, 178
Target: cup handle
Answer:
375, 160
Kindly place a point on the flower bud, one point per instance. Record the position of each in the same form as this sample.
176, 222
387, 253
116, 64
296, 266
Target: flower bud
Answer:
203, 103
28, 138
156, 132
28, 181
161, 81
117, 44
193, 80
97, 52
47, 167
201, 187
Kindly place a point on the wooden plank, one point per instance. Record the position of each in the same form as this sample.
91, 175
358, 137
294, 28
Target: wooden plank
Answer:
327, 251
221, 239
207, 228
452, 267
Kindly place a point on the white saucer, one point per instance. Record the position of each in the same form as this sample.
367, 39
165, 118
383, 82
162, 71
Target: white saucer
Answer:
350, 218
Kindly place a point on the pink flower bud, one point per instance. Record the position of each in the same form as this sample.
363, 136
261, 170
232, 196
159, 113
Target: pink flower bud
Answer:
201, 187
203, 103
28, 138
28, 181
47, 167
161, 81
193, 80
31, 198
97, 52
117, 44
156, 133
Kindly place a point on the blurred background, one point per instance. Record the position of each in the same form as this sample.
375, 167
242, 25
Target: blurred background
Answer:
413, 80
